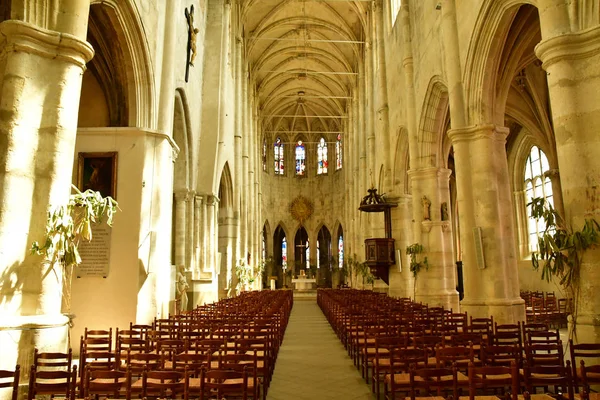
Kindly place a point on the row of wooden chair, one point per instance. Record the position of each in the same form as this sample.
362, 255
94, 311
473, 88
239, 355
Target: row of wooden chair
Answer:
244, 355
373, 326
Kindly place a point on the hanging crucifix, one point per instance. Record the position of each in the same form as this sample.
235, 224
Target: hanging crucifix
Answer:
191, 45
303, 248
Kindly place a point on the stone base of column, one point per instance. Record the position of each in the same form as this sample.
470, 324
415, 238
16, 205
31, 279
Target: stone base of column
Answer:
20, 335
587, 329
448, 300
504, 311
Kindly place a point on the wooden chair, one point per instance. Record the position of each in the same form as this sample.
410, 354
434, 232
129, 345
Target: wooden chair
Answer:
579, 353
381, 363
48, 361
397, 381
589, 375
544, 354
165, 384
433, 382
460, 357
10, 379
502, 355
106, 383
218, 384
545, 376
487, 380
60, 383
249, 362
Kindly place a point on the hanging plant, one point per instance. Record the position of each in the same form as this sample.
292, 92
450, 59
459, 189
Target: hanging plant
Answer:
66, 226
561, 249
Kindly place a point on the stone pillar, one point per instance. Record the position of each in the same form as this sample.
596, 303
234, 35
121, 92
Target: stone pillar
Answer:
198, 235
41, 74
401, 279
212, 203
571, 61
181, 202
204, 236
189, 231
383, 122
484, 200
436, 286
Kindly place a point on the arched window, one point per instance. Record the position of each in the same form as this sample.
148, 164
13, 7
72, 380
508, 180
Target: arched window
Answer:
264, 154
338, 152
341, 252
284, 253
537, 184
318, 256
300, 158
278, 147
322, 157
307, 255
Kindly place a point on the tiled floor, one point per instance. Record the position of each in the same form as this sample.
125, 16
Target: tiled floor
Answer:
312, 362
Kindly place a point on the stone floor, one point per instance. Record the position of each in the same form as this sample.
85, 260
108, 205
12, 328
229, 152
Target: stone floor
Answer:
312, 362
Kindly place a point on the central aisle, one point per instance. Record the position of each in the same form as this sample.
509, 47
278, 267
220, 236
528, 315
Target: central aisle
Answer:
312, 363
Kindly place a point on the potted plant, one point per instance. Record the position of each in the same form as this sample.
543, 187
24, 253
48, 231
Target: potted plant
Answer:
416, 266
561, 250
66, 226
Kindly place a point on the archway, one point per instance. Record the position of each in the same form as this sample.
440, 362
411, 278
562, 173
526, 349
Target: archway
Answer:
280, 256
301, 251
324, 257
227, 235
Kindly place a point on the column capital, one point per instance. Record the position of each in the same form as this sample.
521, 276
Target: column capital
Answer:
19, 36
472, 133
212, 199
569, 46
182, 195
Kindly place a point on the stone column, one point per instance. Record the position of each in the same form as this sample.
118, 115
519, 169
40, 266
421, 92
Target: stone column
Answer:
189, 231
204, 235
484, 200
436, 286
181, 202
401, 280
41, 85
198, 235
212, 202
571, 61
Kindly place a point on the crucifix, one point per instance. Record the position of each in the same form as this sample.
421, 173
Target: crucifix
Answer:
303, 248
191, 45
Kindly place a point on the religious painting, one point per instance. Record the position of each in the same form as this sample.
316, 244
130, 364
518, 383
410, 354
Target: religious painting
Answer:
98, 171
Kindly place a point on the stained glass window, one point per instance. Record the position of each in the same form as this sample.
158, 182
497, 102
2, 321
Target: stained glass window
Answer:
284, 253
307, 255
300, 158
322, 157
537, 184
278, 156
338, 152
264, 154
341, 252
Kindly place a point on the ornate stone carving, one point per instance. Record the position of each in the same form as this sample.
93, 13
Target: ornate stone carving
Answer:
301, 209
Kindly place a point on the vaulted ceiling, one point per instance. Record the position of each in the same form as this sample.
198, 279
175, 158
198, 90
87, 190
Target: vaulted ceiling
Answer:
304, 57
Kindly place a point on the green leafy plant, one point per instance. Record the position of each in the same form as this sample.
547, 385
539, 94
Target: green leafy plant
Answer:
561, 248
245, 275
66, 226
415, 266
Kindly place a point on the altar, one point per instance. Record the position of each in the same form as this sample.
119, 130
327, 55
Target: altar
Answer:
304, 283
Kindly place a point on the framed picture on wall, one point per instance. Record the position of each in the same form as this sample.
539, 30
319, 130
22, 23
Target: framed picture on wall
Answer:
98, 171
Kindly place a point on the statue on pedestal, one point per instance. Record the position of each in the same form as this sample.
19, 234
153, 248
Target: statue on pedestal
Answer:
426, 208
182, 287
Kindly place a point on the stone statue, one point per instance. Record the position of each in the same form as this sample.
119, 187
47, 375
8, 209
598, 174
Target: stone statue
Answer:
182, 287
426, 208
445, 216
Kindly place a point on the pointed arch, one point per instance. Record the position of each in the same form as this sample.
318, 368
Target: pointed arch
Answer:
433, 116
401, 162
182, 137
481, 67
124, 17
226, 188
